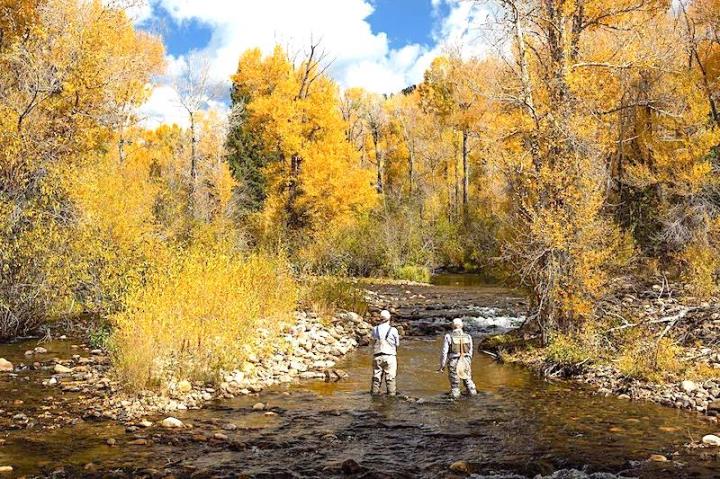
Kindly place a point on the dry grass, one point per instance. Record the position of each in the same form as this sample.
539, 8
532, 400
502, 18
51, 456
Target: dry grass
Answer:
327, 295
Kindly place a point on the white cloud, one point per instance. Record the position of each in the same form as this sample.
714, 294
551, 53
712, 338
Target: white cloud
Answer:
361, 57
163, 106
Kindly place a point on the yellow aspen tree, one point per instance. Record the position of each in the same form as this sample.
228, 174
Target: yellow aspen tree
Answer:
315, 181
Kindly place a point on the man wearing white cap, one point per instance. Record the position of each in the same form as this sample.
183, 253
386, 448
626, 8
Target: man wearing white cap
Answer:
387, 341
457, 356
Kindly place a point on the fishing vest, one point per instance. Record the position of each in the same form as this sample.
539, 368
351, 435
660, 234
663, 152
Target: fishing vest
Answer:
460, 343
383, 346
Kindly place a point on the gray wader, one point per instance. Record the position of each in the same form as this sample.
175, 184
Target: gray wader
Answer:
460, 348
384, 368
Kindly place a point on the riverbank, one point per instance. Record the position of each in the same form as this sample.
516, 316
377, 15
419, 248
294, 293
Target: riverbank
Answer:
69, 381
657, 344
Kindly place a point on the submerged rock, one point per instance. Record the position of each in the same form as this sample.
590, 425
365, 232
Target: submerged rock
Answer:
657, 458
6, 469
350, 466
60, 369
711, 440
171, 423
461, 467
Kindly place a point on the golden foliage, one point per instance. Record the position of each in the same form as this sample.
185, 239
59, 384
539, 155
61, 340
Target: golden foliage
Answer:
207, 311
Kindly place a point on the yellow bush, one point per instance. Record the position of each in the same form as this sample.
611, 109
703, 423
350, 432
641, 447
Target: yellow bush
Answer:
209, 310
643, 359
700, 268
568, 350
327, 295
420, 274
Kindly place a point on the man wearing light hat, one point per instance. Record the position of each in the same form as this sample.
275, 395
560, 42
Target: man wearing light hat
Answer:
457, 356
387, 340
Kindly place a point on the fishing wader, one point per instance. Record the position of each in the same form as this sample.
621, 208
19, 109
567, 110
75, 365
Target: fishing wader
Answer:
459, 364
384, 366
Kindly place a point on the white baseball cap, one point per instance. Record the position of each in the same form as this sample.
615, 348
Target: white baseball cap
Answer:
385, 315
457, 323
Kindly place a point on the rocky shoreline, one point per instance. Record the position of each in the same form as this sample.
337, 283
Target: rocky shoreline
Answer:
663, 311
82, 386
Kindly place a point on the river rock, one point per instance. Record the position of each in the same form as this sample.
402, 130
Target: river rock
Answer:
111, 442
171, 423
60, 369
461, 467
6, 469
688, 386
40, 350
5, 365
258, 406
657, 458
350, 466
711, 440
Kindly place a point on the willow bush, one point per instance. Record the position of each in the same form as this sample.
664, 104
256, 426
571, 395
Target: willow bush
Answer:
207, 312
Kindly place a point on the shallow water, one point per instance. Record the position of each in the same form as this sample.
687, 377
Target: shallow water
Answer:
516, 423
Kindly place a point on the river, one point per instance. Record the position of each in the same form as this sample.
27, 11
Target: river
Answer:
518, 423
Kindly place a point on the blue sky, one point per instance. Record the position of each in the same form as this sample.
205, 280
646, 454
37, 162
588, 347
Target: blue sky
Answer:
381, 45
404, 22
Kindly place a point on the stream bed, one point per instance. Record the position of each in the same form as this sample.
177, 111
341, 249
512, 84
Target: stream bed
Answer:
518, 424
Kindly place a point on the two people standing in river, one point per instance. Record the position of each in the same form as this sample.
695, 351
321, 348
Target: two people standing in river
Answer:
456, 356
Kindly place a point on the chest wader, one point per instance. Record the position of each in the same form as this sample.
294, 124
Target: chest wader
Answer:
460, 344
384, 365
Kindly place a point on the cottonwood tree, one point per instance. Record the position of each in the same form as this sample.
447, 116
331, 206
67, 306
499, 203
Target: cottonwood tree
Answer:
561, 244
195, 89
62, 74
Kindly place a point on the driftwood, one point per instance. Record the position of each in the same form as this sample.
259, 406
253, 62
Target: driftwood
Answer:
667, 319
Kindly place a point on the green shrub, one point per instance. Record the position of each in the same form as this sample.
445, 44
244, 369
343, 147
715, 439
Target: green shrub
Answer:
326, 295
99, 335
567, 350
420, 274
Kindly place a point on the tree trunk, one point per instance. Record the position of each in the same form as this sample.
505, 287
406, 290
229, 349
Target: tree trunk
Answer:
378, 162
466, 173
527, 92
411, 169
457, 179
193, 151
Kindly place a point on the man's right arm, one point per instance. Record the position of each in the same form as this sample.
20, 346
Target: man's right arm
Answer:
445, 350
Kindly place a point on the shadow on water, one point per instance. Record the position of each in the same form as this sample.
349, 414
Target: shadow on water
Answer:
516, 423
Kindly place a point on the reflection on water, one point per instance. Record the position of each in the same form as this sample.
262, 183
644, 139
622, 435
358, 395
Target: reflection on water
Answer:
464, 279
